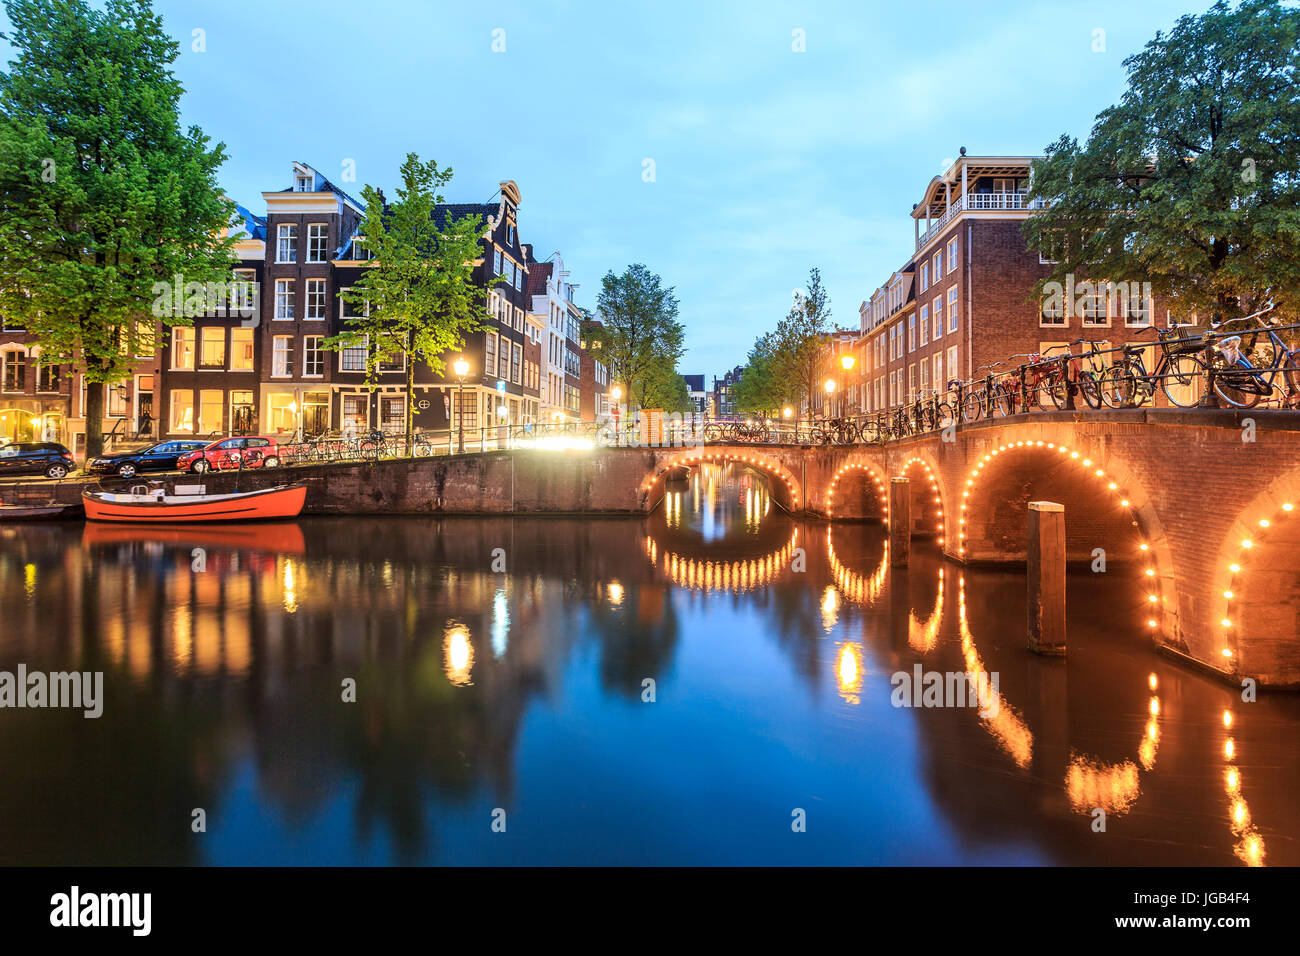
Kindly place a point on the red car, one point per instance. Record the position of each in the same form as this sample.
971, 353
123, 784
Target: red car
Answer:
227, 453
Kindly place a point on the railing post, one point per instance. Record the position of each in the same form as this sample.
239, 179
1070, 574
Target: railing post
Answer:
1045, 560
1070, 387
1209, 399
900, 522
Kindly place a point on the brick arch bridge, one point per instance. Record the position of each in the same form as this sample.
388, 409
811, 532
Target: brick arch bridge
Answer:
1202, 506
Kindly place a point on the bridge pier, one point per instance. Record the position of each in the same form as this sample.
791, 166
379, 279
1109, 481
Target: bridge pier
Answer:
1045, 599
900, 521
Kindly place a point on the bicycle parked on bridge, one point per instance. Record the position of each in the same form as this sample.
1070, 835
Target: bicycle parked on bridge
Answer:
1248, 370
1128, 384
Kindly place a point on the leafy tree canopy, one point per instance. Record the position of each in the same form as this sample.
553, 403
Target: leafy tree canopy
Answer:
638, 333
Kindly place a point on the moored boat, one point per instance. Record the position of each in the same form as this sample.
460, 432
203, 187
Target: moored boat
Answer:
154, 505
37, 512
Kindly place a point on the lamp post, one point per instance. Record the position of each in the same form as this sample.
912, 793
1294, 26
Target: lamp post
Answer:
847, 361
616, 393
462, 369
830, 391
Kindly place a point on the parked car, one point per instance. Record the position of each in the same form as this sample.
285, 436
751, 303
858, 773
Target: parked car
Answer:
227, 453
35, 458
159, 457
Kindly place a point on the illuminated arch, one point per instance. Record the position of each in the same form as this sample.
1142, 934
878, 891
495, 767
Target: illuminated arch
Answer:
1271, 511
690, 458
872, 473
935, 492
1153, 551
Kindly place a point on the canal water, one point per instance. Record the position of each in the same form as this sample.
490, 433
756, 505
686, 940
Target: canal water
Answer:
714, 684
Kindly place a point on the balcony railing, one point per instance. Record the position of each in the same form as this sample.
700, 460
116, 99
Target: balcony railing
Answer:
979, 202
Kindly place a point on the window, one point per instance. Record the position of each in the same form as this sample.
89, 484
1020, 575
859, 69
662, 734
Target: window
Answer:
15, 371
925, 276
282, 356
286, 245
911, 382
212, 351
302, 184
1131, 304
392, 413
519, 319
241, 350
925, 324
510, 233
352, 358
356, 409
182, 410
519, 278
1049, 249
952, 254
211, 405
48, 378
952, 309
490, 355
317, 237
146, 338
360, 251
1092, 303
911, 332
939, 383
241, 411
313, 361
952, 363
937, 307
182, 348
516, 361
925, 377
938, 265
1052, 311
496, 262
465, 409
315, 304
284, 298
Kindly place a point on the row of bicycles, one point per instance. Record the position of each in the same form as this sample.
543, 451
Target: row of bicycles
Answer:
370, 446
1243, 368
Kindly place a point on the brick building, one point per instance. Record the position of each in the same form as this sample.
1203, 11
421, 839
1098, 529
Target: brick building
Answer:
964, 299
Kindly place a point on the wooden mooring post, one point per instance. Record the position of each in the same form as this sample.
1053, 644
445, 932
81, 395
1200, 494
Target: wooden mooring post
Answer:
1045, 599
900, 522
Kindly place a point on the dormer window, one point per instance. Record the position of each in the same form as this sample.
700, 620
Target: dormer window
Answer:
510, 233
302, 184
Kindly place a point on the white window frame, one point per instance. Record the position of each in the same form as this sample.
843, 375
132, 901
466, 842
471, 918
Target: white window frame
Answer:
318, 232
177, 331
288, 294
286, 232
308, 351
277, 354
308, 295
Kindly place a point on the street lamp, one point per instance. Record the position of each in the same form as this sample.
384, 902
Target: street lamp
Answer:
461, 368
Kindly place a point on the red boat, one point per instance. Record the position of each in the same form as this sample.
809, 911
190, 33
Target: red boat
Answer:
154, 505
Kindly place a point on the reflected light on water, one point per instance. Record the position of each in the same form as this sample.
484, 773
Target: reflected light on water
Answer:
458, 655
830, 607
848, 672
1090, 784
290, 592
1003, 723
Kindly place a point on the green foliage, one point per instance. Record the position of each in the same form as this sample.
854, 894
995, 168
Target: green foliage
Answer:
786, 365
101, 192
417, 297
667, 389
1191, 182
639, 336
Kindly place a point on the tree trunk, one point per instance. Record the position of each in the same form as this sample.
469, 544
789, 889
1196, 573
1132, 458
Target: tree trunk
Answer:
94, 419
410, 397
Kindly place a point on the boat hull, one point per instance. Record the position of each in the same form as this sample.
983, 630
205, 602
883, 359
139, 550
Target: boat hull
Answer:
252, 506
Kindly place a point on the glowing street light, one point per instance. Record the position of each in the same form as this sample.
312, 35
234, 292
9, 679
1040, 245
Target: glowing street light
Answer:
847, 360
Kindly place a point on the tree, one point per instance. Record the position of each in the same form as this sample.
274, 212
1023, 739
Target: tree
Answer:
417, 297
1191, 182
667, 389
101, 193
638, 333
762, 389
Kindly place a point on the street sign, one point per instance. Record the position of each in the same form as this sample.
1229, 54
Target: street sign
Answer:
501, 386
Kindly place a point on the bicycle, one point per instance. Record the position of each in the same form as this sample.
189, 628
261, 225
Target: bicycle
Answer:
1128, 384
1071, 370
1243, 376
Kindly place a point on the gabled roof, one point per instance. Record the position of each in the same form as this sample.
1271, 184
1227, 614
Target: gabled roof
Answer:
254, 226
321, 184
538, 274
694, 383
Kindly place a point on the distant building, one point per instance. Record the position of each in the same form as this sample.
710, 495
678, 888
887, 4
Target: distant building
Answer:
699, 394
723, 403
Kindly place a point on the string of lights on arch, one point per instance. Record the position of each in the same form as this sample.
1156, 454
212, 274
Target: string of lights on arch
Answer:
934, 489
685, 461
1236, 570
1089, 467
872, 474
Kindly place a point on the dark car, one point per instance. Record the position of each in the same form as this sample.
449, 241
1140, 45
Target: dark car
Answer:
35, 458
159, 457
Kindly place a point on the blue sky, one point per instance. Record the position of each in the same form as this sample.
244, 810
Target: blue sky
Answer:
767, 161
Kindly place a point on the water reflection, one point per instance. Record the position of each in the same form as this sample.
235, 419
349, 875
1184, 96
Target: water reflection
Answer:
627, 684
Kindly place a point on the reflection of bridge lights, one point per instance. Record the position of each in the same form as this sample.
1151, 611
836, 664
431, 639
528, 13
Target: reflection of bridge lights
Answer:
615, 593
700, 575
848, 672
1003, 723
830, 607
458, 655
1112, 787
857, 587
1249, 847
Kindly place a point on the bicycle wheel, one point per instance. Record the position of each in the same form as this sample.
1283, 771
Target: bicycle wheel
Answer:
1003, 402
713, 432
1057, 389
945, 416
972, 406
1118, 386
1239, 384
1089, 389
1181, 381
